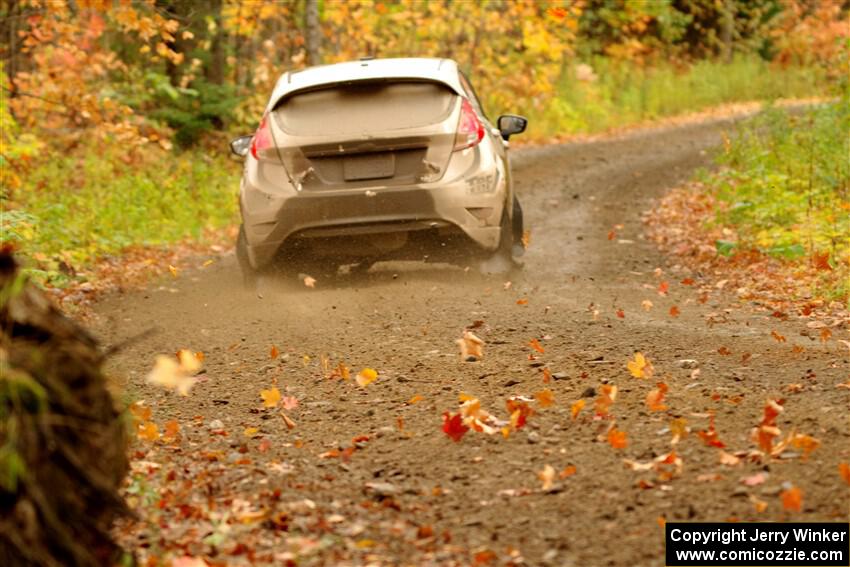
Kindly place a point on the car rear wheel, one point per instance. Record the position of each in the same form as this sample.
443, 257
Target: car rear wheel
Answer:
249, 273
502, 261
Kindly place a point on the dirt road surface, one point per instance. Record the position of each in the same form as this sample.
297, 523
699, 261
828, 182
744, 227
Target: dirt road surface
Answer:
254, 491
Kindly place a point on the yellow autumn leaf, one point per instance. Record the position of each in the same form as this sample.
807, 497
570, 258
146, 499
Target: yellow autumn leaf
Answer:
640, 367
366, 377
250, 431
149, 431
270, 397
576, 408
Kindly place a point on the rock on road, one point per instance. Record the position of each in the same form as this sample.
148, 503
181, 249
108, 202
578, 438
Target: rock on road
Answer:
410, 495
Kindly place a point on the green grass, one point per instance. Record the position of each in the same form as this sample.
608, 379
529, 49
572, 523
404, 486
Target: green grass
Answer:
623, 94
90, 203
785, 188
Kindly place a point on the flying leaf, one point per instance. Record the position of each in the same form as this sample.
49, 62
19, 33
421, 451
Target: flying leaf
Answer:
759, 505
568, 471
366, 377
805, 443
545, 398
309, 281
844, 472
289, 402
640, 367
617, 438
576, 407
290, 424
709, 436
273, 352
825, 335
415, 399
724, 351
174, 271
674, 311
250, 431
728, 459
522, 301
679, 429
646, 304
621, 314
779, 338
792, 499
547, 375
453, 426
547, 477
519, 411
654, 399
175, 374
755, 479
605, 398
663, 288
535, 344
471, 347
148, 431
270, 397
172, 431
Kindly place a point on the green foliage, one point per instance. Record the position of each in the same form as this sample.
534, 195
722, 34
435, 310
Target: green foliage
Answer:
618, 94
77, 207
193, 112
786, 185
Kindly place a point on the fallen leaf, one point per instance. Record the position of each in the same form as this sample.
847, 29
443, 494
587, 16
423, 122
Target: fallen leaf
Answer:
723, 351
617, 438
526, 239
754, 480
844, 472
655, 397
621, 314
709, 436
453, 426
270, 397
172, 431
471, 347
759, 505
535, 344
174, 271
674, 311
250, 431
825, 335
576, 407
646, 304
366, 377
612, 234
547, 477
273, 352
289, 402
663, 288
207, 263
415, 400
522, 301
679, 429
777, 336
547, 376
187, 561
640, 367
568, 471
290, 424
687, 281
148, 431
792, 499
605, 398
805, 443
309, 281
545, 398
728, 459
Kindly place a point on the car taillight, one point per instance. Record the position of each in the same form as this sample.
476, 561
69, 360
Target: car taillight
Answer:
470, 130
262, 138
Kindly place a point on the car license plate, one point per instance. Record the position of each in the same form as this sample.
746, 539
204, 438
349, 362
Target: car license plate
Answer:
368, 166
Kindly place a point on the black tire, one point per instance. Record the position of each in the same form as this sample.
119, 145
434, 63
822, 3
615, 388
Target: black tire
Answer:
517, 228
249, 274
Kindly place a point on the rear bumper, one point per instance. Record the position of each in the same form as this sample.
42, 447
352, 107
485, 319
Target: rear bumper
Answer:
372, 222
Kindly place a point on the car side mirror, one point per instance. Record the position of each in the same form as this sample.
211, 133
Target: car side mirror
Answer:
241, 145
510, 124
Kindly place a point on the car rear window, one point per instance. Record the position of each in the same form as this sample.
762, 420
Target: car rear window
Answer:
365, 107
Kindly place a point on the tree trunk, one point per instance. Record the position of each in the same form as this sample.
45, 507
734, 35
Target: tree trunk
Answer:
727, 32
312, 32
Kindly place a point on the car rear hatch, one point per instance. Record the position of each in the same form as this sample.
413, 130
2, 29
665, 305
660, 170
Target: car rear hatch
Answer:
366, 134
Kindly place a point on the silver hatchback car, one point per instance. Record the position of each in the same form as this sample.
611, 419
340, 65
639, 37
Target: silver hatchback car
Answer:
377, 159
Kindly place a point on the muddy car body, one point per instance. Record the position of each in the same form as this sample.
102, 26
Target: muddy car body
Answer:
373, 160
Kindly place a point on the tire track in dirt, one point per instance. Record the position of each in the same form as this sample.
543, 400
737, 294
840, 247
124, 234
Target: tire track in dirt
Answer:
403, 319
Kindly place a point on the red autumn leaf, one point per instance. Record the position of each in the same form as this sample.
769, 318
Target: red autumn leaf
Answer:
663, 288
821, 261
612, 234
709, 436
567, 472
687, 281
724, 351
607, 395
273, 352
453, 426
519, 410
792, 499
545, 398
674, 311
617, 438
621, 314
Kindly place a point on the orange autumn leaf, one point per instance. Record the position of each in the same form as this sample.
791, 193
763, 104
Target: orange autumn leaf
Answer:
805, 443
366, 377
568, 471
535, 344
172, 430
844, 472
621, 314
576, 408
792, 499
273, 352
547, 376
825, 335
687, 281
522, 301
674, 311
148, 431
606, 397
415, 399
654, 399
779, 338
612, 234
471, 347
617, 438
663, 288
545, 398
709, 436
290, 424
724, 351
